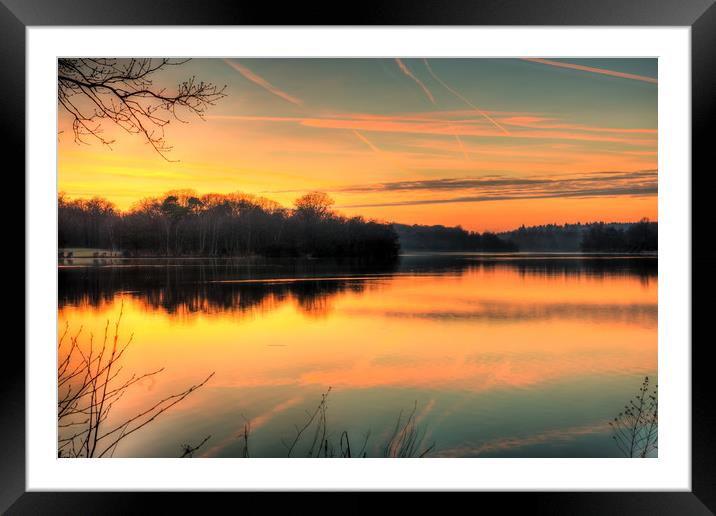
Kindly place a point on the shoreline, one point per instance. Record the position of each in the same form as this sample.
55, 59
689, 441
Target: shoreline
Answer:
83, 258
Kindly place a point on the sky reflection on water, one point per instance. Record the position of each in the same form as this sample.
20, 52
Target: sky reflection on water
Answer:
505, 356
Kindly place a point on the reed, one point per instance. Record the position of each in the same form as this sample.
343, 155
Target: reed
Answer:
314, 438
89, 386
635, 429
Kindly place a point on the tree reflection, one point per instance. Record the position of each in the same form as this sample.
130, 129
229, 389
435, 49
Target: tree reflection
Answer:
241, 285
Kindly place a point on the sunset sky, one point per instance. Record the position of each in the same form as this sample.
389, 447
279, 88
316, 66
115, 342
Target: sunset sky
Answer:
489, 144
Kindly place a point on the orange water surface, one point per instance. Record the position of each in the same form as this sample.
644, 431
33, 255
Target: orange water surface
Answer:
499, 356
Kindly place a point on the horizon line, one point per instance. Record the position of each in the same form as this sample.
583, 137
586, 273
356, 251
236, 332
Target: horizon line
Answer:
395, 222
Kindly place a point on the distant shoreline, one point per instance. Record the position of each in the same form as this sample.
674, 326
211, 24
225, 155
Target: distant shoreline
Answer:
82, 254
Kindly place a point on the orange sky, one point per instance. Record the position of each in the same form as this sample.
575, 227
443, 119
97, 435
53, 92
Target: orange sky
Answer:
489, 144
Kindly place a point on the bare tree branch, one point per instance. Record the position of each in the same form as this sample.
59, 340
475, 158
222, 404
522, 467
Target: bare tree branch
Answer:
91, 90
188, 450
88, 389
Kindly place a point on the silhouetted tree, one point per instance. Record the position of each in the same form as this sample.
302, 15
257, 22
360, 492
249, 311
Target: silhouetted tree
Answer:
122, 91
643, 236
87, 222
237, 224
547, 237
441, 238
314, 205
619, 237
634, 238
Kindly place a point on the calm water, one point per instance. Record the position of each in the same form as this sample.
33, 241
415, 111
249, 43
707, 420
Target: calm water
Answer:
501, 356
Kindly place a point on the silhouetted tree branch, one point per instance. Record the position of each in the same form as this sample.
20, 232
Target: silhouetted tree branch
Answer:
88, 389
188, 450
122, 91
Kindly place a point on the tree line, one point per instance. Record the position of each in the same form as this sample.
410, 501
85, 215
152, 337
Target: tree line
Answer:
441, 238
622, 237
634, 238
182, 223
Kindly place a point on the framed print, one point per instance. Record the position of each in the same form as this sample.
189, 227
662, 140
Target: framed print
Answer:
459, 252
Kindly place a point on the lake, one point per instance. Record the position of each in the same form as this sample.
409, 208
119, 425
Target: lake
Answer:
518, 355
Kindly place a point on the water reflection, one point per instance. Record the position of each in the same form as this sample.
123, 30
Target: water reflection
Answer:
217, 285
510, 312
243, 285
505, 355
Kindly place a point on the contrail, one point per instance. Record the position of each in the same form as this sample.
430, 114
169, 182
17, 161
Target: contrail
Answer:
430, 96
257, 79
462, 147
458, 95
366, 141
383, 155
591, 69
418, 81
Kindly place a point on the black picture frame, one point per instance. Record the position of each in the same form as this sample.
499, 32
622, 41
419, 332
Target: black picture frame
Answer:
700, 15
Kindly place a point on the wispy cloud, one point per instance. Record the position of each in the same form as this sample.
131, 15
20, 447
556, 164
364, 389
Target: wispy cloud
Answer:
499, 188
602, 192
443, 184
407, 72
552, 123
602, 71
461, 97
257, 79
501, 181
410, 124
